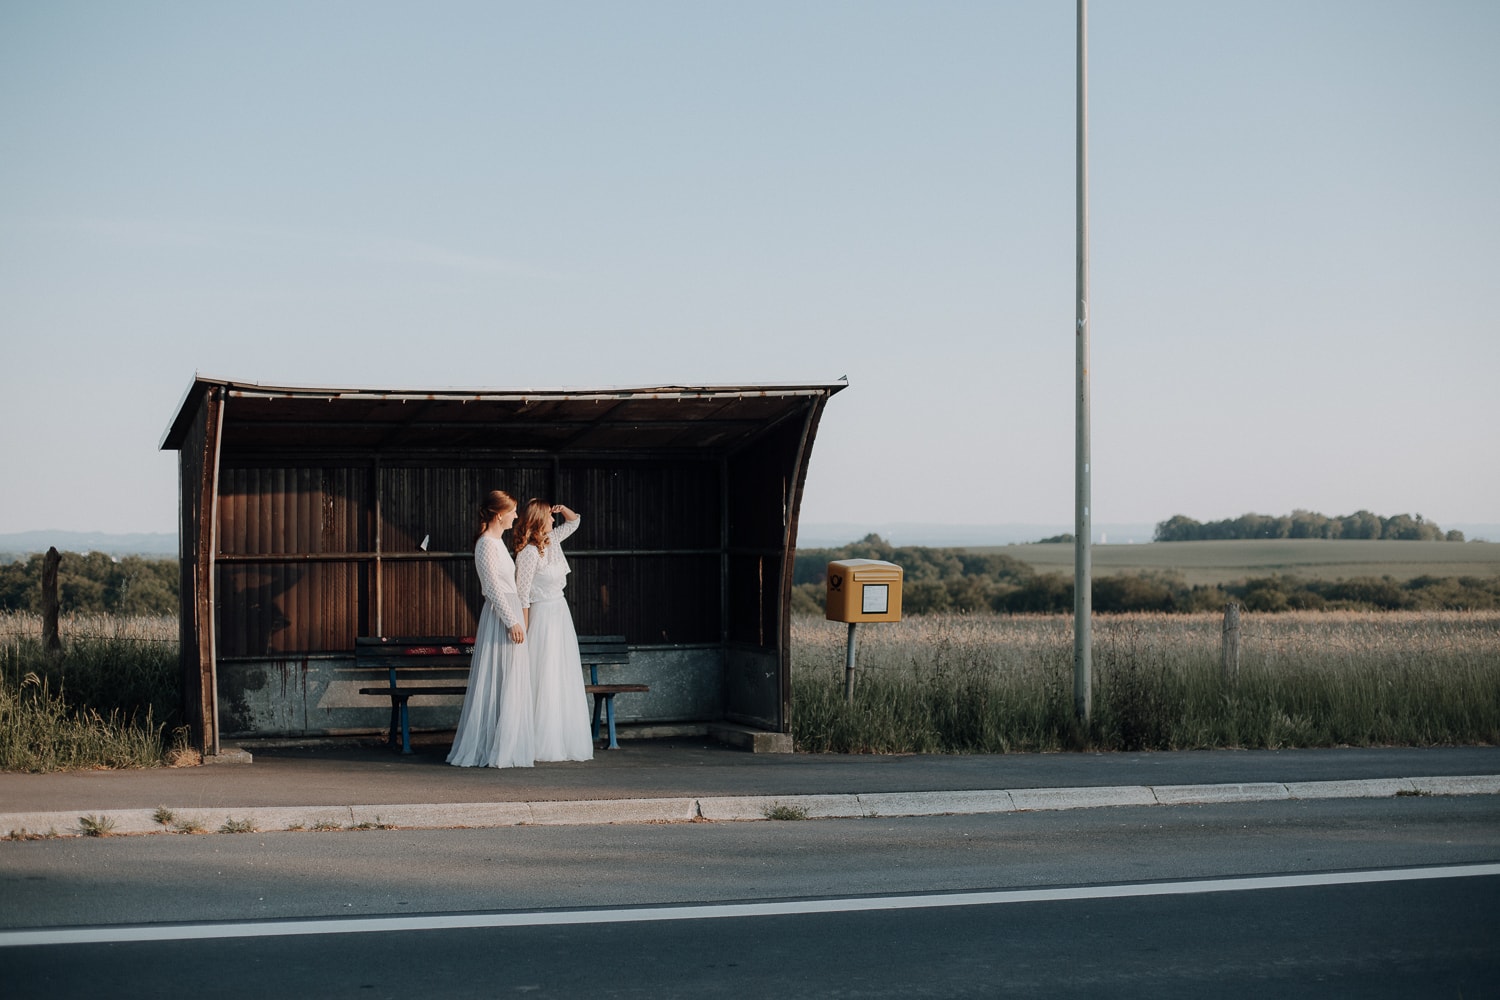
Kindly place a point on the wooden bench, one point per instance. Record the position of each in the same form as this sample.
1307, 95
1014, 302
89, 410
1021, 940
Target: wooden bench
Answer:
604, 651
407, 655
447, 654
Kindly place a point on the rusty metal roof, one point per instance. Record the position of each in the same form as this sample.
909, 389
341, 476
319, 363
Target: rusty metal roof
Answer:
663, 418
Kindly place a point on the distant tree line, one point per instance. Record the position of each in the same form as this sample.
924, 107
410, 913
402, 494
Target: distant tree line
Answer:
934, 580
94, 583
1305, 524
937, 580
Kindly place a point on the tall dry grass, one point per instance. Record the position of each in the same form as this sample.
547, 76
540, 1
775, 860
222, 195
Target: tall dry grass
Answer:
956, 683
92, 625
105, 701
932, 683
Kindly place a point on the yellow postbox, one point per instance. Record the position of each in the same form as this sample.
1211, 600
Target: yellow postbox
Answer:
863, 590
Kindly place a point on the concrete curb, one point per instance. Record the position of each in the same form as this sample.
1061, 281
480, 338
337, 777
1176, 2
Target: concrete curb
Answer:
936, 803
1476, 784
752, 807
728, 808
1177, 795
1036, 799
1372, 788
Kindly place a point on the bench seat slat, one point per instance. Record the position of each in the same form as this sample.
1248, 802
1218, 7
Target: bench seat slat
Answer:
414, 663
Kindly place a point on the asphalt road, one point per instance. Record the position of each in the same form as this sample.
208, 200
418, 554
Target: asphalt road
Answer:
273, 876
1417, 937
1430, 938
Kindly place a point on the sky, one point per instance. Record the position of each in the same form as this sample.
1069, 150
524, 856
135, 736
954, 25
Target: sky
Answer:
1293, 236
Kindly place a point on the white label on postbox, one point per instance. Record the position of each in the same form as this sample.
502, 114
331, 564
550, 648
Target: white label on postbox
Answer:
877, 598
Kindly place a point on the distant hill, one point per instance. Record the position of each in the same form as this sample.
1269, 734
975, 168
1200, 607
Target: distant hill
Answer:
1216, 563
163, 545
824, 535
153, 544
814, 534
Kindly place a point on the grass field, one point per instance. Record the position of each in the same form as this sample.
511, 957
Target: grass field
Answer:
1209, 563
995, 683
939, 683
104, 701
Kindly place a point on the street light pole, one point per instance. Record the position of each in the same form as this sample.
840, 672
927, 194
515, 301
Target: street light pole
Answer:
1083, 604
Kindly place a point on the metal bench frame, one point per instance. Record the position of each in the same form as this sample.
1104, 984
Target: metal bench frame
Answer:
605, 650
396, 654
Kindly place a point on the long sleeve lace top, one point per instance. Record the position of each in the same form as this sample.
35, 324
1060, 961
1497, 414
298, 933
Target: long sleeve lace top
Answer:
497, 579
541, 576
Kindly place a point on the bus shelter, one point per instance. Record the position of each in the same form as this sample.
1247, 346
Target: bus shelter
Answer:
313, 516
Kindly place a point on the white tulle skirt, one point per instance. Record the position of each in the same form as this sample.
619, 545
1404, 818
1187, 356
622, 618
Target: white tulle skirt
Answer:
561, 725
495, 726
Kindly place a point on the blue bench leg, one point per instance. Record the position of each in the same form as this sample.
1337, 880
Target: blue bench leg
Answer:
609, 713
607, 702
405, 729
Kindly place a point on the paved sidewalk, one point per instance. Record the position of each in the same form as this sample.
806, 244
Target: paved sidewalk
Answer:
332, 785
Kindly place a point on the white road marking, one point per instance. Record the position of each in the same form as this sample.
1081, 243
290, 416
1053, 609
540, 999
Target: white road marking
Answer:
368, 925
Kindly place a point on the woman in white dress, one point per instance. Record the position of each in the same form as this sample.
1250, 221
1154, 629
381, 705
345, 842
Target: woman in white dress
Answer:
561, 722
495, 726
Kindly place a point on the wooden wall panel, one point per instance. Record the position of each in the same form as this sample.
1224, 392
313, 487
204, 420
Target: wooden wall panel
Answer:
649, 599
438, 597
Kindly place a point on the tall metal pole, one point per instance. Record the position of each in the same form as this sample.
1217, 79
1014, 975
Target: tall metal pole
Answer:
850, 656
1083, 604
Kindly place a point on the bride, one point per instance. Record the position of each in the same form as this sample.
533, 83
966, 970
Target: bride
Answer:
561, 722
495, 727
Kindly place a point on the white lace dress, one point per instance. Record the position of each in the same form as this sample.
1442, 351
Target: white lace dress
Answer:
562, 727
495, 727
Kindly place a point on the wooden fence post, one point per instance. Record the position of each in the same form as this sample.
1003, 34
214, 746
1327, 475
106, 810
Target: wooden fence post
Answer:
51, 641
1230, 655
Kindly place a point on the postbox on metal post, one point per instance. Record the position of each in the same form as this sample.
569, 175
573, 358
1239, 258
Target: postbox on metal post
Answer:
861, 590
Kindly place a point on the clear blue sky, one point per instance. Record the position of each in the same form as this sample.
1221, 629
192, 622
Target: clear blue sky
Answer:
1294, 218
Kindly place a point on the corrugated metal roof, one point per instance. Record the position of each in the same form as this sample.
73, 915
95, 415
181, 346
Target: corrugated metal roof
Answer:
661, 418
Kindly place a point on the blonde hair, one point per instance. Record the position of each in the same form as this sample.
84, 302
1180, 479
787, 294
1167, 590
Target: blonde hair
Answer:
533, 527
494, 504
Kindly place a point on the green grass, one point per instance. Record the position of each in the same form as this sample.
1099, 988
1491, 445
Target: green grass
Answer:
95, 826
375, 824
105, 701
40, 731
930, 684
957, 684
1212, 563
